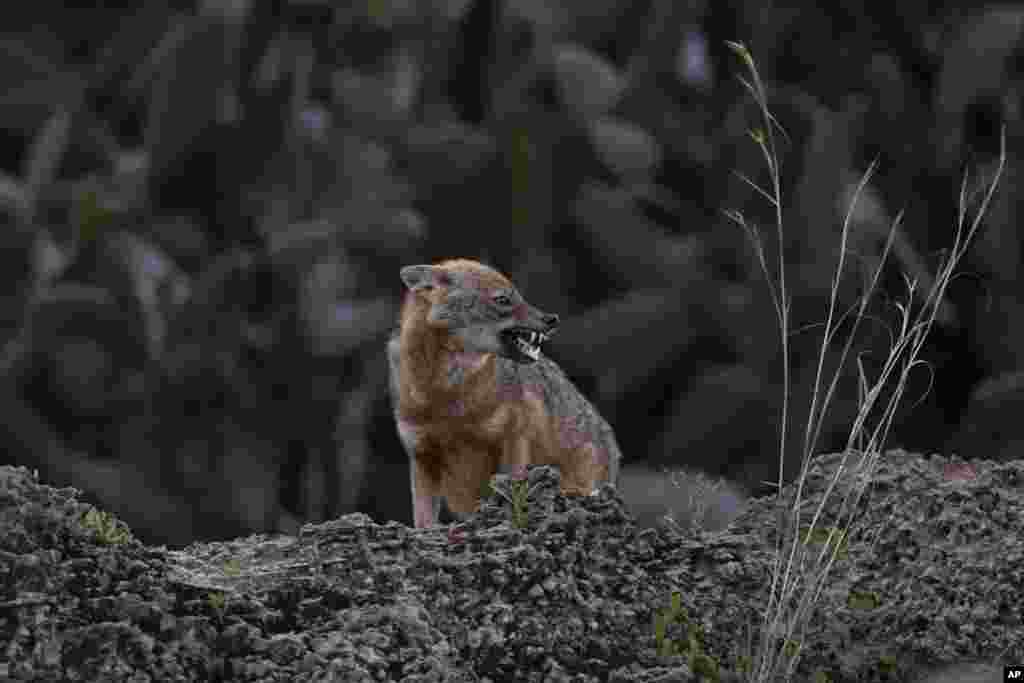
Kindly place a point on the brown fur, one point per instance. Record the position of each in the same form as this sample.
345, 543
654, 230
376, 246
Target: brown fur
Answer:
464, 409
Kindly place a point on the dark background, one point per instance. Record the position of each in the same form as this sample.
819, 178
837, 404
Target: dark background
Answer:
204, 210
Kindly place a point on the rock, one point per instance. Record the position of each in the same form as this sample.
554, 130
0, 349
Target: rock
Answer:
929, 577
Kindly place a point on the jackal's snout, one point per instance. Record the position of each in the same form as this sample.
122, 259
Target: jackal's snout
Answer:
522, 341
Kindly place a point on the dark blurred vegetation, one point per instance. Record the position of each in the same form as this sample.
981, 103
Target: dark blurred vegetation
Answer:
205, 209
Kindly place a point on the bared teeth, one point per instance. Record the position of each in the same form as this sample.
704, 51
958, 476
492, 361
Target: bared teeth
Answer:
527, 348
529, 341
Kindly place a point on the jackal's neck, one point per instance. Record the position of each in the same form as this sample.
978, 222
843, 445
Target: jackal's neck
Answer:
433, 361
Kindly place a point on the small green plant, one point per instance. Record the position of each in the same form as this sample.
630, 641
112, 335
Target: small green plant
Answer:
232, 567
94, 215
108, 529
744, 664
831, 538
217, 601
863, 600
692, 646
887, 664
519, 496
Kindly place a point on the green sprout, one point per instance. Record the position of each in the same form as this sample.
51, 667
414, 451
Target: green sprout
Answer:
94, 213
830, 537
216, 600
519, 498
887, 664
863, 600
108, 529
701, 663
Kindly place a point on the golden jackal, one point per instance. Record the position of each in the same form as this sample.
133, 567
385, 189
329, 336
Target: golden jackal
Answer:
472, 391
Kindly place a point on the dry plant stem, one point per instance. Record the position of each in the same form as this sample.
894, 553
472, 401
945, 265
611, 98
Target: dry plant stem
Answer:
766, 142
911, 339
914, 335
788, 584
903, 357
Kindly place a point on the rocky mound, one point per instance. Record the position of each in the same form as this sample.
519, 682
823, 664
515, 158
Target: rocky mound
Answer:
933, 576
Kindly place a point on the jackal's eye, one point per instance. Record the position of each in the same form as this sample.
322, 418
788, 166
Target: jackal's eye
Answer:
502, 300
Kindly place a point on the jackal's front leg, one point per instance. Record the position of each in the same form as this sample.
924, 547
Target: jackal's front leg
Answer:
426, 505
516, 453
579, 470
464, 481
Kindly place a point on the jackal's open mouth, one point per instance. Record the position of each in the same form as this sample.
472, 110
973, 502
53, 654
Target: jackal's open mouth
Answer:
525, 343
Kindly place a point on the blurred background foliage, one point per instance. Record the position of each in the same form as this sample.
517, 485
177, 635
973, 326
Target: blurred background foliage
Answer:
205, 205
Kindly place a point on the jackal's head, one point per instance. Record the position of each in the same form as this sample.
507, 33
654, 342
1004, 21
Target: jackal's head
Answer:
479, 307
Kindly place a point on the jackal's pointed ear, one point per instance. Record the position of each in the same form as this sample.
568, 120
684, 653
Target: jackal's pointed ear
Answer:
418, 278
